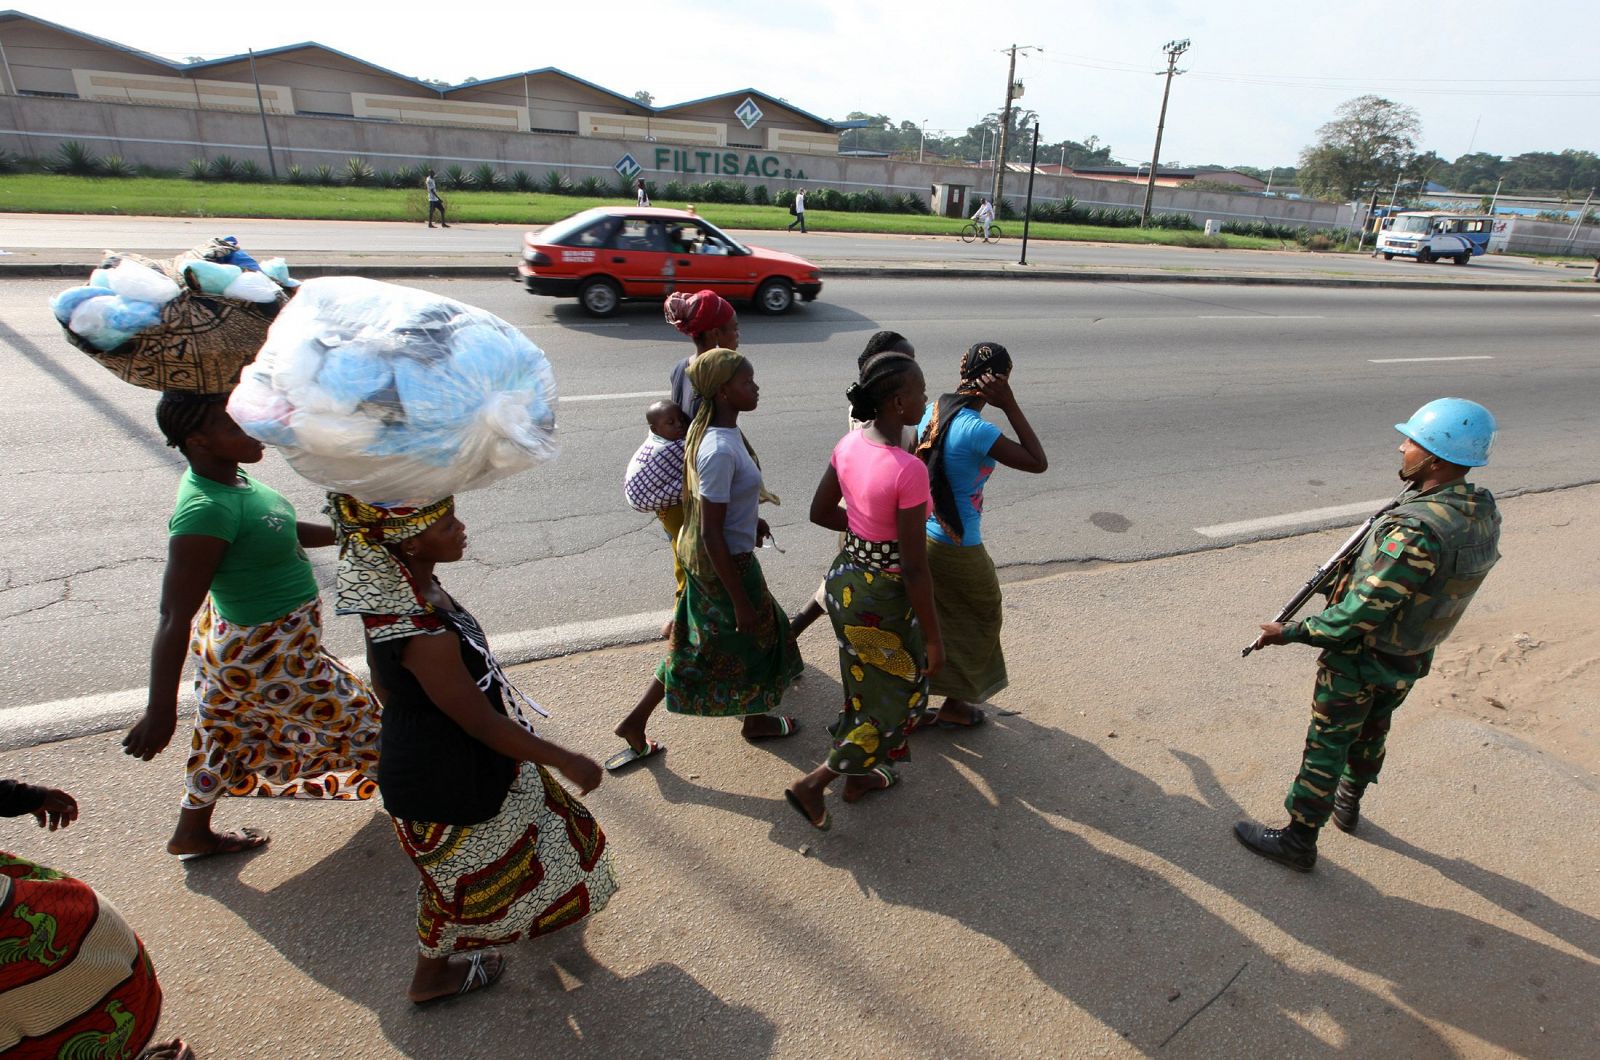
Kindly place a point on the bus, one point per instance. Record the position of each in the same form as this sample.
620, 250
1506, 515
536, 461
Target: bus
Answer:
1430, 235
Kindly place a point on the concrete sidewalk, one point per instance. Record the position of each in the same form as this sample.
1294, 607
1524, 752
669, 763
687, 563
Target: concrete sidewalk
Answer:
1059, 882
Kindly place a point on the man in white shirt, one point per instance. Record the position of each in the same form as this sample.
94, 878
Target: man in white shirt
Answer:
434, 202
641, 193
799, 211
984, 216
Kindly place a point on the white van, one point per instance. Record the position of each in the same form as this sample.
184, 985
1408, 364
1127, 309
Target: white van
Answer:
1430, 235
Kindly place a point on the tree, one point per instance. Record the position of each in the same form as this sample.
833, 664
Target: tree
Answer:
644, 97
1370, 139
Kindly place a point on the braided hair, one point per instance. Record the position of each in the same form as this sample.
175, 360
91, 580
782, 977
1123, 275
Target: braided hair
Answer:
883, 342
180, 414
981, 359
881, 376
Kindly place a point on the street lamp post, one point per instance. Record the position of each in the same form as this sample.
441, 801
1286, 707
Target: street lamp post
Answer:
923, 139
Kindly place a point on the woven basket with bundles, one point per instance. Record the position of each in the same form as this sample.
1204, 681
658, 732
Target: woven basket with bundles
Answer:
202, 340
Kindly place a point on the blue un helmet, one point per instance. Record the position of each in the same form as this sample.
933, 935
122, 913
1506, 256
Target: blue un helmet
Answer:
1453, 429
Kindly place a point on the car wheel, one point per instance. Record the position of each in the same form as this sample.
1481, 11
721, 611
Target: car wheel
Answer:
775, 296
600, 297
1388, 257
1424, 256
1462, 259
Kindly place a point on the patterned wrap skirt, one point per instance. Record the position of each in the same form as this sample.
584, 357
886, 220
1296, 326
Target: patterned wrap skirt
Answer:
75, 981
968, 603
881, 658
715, 671
278, 715
539, 865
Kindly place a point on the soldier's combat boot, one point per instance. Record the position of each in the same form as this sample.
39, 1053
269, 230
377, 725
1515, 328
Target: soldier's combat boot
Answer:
1294, 846
1347, 805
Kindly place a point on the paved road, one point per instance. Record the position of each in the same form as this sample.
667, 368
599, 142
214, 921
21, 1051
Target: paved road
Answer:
1164, 410
314, 240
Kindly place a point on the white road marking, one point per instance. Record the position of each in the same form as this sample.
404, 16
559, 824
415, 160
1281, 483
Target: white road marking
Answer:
1417, 360
1260, 316
1275, 522
611, 397
82, 715
577, 324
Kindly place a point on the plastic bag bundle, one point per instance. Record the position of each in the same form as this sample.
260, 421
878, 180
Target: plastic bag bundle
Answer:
397, 396
186, 324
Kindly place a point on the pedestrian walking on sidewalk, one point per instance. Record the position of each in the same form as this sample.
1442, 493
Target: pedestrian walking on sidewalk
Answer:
434, 202
641, 194
504, 851
880, 594
798, 208
711, 324
880, 342
1393, 604
75, 981
961, 449
277, 715
731, 652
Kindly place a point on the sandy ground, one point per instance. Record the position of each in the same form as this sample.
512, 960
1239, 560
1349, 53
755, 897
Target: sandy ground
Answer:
1060, 882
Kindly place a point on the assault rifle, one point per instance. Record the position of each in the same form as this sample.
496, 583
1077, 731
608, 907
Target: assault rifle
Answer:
1314, 584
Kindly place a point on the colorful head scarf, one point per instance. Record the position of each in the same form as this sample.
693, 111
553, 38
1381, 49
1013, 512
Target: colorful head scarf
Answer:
981, 359
698, 313
372, 582
709, 372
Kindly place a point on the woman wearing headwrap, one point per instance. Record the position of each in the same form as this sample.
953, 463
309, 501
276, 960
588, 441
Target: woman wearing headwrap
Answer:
879, 593
961, 449
709, 320
732, 654
503, 850
277, 715
75, 980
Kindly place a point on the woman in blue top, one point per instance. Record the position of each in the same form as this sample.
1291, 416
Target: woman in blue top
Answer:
962, 449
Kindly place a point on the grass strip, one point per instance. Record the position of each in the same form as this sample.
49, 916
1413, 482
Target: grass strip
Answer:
170, 197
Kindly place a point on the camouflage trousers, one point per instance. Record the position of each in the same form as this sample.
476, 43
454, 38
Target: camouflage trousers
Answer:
1349, 726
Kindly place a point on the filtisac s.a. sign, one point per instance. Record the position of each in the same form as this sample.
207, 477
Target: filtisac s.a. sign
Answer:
748, 113
724, 164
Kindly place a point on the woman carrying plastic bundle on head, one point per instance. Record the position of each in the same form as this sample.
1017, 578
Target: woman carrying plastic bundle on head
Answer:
277, 715
879, 593
504, 851
961, 449
731, 653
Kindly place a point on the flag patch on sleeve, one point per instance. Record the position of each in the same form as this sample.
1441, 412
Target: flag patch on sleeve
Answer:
1392, 548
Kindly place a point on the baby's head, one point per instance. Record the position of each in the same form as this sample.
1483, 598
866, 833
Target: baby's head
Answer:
667, 420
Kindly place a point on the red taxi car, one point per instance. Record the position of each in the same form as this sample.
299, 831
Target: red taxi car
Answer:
607, 254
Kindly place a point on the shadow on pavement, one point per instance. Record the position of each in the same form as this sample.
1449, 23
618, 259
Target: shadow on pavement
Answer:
807, 322
348, 923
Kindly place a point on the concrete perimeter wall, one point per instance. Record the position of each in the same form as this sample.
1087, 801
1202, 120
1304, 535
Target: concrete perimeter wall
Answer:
1544, 237
170, 136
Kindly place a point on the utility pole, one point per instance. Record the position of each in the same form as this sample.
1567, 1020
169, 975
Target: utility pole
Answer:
1005, 122
1496, 196
262, 107
1173, 48
921, 141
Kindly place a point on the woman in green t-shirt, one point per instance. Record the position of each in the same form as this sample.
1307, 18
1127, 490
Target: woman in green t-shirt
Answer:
277, 715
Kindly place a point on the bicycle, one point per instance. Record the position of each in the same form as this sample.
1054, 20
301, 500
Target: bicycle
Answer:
972, 230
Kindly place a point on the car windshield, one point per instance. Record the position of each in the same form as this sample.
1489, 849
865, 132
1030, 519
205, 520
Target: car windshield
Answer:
1412, 224
562, 232
714, 231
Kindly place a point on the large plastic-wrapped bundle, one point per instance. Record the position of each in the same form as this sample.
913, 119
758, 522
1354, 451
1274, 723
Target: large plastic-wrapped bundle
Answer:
397, 396
186, 324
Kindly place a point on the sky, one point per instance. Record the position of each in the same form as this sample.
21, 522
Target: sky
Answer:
1259, 78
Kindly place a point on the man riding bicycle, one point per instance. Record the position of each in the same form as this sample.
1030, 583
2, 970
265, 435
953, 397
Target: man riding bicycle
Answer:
984, 216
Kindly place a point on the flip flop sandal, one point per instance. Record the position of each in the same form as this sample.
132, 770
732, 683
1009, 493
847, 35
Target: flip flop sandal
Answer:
478, 978
248, 839
794, 801
889, 781
632, 756
788, 725
978, 718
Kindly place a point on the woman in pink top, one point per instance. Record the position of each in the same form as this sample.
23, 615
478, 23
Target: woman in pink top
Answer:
879, 594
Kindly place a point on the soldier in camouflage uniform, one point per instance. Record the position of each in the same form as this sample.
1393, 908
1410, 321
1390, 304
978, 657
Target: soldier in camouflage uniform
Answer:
1392, 605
